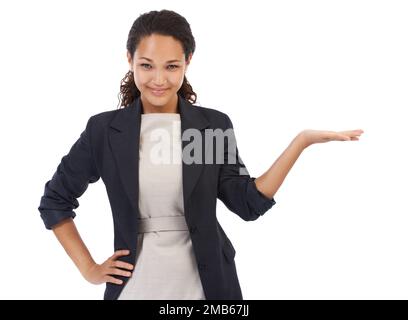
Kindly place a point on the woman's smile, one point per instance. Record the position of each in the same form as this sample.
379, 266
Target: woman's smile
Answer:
158, 92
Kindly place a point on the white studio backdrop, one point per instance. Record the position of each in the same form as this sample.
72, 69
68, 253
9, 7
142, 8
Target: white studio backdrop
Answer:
339, 227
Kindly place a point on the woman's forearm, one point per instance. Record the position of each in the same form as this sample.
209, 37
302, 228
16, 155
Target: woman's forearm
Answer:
67, 234
269, 182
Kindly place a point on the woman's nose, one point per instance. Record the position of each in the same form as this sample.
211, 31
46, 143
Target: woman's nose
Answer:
159, 78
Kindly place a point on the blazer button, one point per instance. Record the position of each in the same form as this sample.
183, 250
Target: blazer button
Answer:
193, 229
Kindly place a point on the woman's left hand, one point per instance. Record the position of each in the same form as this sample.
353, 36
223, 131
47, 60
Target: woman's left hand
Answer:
310, 137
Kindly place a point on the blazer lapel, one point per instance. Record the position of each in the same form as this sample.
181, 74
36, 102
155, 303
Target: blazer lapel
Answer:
124, 135
124, 138
191, 118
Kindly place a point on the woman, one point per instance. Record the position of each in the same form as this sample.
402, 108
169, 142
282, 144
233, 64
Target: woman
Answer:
156, 158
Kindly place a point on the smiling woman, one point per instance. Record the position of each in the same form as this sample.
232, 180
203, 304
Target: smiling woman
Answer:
159, 53
157, 78
168, 242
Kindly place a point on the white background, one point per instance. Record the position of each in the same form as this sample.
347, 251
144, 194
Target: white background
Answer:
339, 227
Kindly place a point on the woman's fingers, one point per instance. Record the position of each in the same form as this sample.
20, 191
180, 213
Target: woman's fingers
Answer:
119, 253
119, 272
123, 265
349, 135
352, 133
111, 267
310, 137
113, 280
334, 136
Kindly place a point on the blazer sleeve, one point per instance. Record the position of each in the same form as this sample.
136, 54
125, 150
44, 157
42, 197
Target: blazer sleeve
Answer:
236, 188
76, 170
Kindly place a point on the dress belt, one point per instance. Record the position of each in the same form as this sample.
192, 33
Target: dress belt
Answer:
168, 223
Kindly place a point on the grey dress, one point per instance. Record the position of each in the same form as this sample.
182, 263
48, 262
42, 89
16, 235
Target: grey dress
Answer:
165, 266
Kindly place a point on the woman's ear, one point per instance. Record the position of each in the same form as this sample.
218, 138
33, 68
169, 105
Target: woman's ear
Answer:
129, 58
190, 57
189, 60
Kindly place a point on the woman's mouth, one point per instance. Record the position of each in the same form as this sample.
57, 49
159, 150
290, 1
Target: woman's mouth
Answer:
158, 92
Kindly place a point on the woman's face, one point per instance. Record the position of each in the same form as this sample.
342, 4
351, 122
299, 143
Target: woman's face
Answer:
159, 66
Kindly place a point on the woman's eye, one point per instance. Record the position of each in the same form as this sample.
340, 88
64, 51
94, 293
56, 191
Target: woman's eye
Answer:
148, 66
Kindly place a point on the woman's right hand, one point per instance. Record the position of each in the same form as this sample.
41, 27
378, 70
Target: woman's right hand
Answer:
105, 272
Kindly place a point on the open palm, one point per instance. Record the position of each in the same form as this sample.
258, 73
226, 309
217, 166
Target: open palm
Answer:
320, 136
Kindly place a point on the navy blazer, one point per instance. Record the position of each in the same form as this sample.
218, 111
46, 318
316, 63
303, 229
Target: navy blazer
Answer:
109, 149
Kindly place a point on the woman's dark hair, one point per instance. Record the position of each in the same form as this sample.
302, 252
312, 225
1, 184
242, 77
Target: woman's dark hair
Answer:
167, 23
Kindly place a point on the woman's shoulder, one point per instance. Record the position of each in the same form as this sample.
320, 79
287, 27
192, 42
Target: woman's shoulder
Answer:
106, 115
218, 118
103, 119
210, 111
